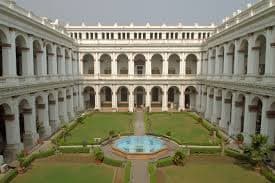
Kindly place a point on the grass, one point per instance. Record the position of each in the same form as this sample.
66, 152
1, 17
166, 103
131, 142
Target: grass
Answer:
183, 127
211, 170
98, 125
66, 172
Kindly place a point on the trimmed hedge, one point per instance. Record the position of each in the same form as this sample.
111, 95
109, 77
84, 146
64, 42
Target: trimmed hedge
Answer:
268, 174
127, 172
235, 154
113, 162
198, 150
35, 156
9, 176
152, 170
74, 149
168, 161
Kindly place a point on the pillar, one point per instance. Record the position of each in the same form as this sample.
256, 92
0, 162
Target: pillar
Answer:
164, 99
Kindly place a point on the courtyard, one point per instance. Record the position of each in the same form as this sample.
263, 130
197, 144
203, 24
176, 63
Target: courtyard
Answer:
209, 169
182, 127
99, 125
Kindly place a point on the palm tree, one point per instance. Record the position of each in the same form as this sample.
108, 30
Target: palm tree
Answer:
258, 149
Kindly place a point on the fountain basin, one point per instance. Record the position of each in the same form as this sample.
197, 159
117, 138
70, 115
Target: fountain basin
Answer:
139, 147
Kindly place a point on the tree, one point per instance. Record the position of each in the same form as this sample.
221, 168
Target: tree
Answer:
258, 149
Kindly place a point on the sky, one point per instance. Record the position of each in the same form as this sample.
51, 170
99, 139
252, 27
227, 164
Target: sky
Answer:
123, 12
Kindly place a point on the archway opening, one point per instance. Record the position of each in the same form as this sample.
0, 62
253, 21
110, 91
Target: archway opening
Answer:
231, 59
256, 114
40, 107
123, 98
173, 98
174, 65
105, 64
190, 98
89, 98
59, 60
191, 64
88, 64
243, 52
49, 55
122, 64
140, 66
156, 64
140, 94
156, 97
106, 97
260, 54
37, 59
21, 61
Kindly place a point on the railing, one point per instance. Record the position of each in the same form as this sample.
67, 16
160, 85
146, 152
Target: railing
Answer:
35, 18
241, 16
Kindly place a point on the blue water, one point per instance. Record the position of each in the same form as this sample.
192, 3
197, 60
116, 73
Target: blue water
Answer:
139, 144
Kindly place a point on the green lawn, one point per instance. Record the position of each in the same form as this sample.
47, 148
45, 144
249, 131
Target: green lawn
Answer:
66, 172
210, 170
98, 125
182, 127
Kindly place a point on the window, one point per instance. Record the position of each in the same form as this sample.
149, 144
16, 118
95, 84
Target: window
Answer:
199, 36
167, 35
72, 35
183, 35
160, 35
91, 36
119, 35
123, 36
87, 35
144, 35
156, 35
112, 35
172, 35
75, 35
139, 36
151, 35
96, 35
135, 35
176, 35
187, 35
192, 35
128, 35
103, 35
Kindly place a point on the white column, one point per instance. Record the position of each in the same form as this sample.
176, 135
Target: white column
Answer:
43, 112
148, 97
182, 69
27, 54
54, 60
249, 125
62, 107
268, 54
114, 98
251, 64
131, 99
238, 58
97, 65
53, 109
63, 61
235, 126
217, 61
114, 65
182, 99
44, 60
148, 67
165, 65
80, 98
267, 123
9, 52
70, 104
131, 66
97, 98
164, 99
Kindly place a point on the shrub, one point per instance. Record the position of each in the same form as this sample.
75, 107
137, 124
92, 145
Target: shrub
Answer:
85, 143
112, 162
98, 154
268, 174
11, 174
164, 162
199, 150
200, 120
240, 137
74, 150
27, 161
169, 134
112, 133
127, 172
179, 158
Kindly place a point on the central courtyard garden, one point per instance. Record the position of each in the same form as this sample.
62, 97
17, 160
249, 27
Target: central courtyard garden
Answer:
181, 127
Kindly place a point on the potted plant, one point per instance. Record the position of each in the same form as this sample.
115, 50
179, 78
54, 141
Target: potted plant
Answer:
257, 150
20, 159
98, 155
240, 139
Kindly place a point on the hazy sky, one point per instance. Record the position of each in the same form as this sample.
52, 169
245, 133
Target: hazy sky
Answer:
156, 12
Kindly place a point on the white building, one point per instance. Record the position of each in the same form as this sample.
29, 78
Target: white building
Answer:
50, 72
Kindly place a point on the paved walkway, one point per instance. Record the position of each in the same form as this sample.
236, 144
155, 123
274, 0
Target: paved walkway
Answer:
139, 167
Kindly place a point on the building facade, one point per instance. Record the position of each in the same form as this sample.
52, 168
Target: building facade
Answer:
49, 72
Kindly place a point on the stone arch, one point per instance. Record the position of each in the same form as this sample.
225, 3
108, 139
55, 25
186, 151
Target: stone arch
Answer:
6, 117
173, 95
37, 58
62, 106
52, 109
21, 55
39, 118
123, 97
243, 60
105, 64
190, 97
255, 110
156, 97
139, 99
122, 64
67, 61
89, 97
191, 64
3, 52
59, 60
221, 56
140, 64
88, 64
231, 58
174, 64
260, 54
27, 128
106, 94
227, 110
156, 64
49, 59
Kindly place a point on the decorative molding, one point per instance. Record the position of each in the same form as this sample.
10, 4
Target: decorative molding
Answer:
270, 114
